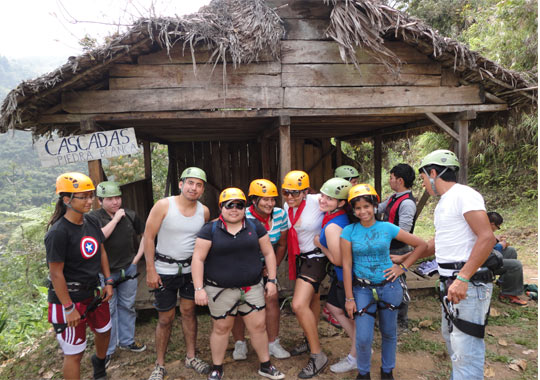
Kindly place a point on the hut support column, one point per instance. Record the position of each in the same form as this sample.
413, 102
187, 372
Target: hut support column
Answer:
463, 150
172, 175
148, 172
284, 146
338, 153
95, 170
377, 155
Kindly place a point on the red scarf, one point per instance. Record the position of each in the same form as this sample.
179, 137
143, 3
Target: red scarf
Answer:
328, 217
223, 221
292, 239
260, 218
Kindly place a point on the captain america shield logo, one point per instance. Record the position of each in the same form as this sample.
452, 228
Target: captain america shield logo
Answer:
89, 247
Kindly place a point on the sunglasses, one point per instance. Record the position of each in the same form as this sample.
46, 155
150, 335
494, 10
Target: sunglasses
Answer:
90, 197
236, 205
294, 193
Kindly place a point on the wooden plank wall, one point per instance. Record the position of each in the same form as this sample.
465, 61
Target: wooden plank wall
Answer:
136, 196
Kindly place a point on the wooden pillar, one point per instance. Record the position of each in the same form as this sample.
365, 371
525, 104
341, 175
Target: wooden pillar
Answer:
338, 153
95, 170
148, 173
265, 159
173, 169
463, 150
284, 146
377, 163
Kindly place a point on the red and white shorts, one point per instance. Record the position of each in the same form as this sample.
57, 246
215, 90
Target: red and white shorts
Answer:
73, 339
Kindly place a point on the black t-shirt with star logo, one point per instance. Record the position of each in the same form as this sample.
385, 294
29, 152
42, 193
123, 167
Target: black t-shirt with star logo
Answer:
79, 248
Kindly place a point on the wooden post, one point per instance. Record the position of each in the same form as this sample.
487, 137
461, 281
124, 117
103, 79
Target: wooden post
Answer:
173, 169
265, 159
284, 146
377, 163
338, 153
148, 174
95, 171
463, 152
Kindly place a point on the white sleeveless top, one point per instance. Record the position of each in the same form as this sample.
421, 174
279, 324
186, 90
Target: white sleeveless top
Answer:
176, 237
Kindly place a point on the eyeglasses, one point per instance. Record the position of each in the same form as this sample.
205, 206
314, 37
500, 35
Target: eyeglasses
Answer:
89, 197
236, 205
294, 193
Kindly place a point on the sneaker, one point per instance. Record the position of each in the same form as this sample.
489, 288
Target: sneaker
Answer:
402, 328
330, 318
344, 365
365, 376
108, 359
301, 348
386, 375
135, 347
275, 349
158, 373
98, 366
512, 299
240, 350
271, 372
311, 369
198, 365
215, 375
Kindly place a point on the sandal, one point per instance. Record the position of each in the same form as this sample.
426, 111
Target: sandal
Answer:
512, 299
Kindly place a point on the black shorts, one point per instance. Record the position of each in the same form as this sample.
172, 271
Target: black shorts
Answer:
173, 286
311, 270
336, 295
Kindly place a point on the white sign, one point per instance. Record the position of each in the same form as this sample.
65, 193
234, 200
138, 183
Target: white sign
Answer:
81, 148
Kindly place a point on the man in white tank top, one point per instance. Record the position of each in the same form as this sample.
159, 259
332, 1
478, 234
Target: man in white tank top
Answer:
175, 221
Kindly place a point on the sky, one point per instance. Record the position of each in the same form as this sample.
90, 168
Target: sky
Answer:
52, 28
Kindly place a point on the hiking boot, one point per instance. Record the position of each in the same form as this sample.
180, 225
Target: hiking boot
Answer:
198, 365
275, 349
240, 350
386, 375
271, 372
402, 328
158, 373
134, 347
99, 368
215, 375
301, 348
311, 369
512, 299
330, 318
108, 360
344, 365
366, 376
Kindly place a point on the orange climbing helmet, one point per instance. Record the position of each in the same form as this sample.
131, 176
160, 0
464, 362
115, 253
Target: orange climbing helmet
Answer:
296, 180
73, 183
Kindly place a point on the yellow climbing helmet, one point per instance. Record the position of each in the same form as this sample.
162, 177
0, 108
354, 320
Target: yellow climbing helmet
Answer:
295, 180
362, 190
73, 183
231, 193
262, 188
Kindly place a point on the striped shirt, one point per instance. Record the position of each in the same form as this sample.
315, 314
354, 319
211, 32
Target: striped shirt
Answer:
278, 223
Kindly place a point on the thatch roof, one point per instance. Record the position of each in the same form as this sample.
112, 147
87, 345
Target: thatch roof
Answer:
245, 29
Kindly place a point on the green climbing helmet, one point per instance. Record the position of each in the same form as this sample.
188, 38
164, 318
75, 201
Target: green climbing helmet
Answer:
346, 171
108, 189
336, 188
441, 157
193, 172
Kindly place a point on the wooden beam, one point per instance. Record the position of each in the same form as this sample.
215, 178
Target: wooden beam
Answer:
463, 151
147, 152
377, 163
493, 98
173, 169
442, 125
284, 146
421, 203
95, 172
338, 152
104, 117
324, 155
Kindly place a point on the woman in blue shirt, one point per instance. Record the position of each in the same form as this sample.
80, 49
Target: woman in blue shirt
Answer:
370, 275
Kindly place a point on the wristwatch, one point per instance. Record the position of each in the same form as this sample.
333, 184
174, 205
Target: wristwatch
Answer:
272, 280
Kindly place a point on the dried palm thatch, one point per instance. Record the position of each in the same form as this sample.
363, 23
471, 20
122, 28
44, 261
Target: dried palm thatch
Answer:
368, 23
240, 30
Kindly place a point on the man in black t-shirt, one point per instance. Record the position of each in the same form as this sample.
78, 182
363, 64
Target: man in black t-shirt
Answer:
122, 229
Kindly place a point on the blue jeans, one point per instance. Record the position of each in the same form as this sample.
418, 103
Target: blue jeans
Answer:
467, 352
391, 293
122, 306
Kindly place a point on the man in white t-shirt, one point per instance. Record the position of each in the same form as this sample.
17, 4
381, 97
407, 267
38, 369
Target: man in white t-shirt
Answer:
463, 242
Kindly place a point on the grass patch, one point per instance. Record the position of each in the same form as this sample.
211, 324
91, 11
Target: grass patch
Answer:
514, 316
413, 342
494, 357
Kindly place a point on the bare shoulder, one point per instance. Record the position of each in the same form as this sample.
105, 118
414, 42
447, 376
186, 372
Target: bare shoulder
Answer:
159, 210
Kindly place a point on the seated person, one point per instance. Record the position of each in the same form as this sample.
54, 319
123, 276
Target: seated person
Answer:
511, 281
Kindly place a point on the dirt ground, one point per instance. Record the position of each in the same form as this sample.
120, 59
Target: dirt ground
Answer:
421, 351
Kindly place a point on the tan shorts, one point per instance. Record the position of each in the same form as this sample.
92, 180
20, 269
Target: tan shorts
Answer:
232, 301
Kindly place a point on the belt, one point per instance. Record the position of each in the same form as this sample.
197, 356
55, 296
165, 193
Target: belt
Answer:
185, 263
483, 275
457, 265
364, 283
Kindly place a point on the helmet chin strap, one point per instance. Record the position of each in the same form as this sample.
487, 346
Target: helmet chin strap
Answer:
432, 180
68, 205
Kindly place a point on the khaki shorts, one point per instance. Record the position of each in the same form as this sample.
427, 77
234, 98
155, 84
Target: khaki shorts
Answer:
232, 301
